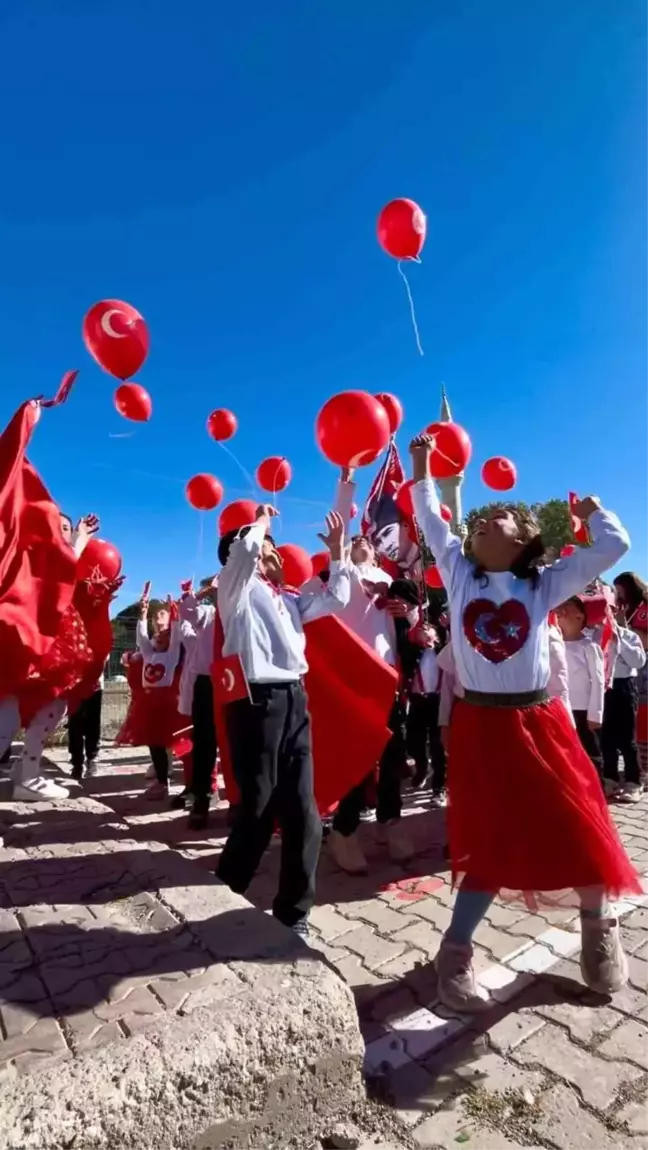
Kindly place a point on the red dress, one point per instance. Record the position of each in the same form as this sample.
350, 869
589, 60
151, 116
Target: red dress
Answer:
152, 719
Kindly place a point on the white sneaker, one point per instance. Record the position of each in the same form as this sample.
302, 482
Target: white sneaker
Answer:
347, 852
38, 790
439, 800
399, 844
631, 793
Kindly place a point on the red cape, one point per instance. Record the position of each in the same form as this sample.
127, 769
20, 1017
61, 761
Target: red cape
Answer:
37, 568
350, 695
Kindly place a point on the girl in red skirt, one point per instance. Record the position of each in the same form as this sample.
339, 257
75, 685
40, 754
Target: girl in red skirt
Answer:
152, 719
527, 815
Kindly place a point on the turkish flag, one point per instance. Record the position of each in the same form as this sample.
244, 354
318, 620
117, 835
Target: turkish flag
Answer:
350, 691
228, 677
37, 567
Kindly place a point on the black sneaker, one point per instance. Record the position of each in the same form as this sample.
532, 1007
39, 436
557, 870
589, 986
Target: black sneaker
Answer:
77, 772
179, 802
199, 817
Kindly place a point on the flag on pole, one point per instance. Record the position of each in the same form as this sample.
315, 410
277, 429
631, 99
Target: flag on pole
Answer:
383, 522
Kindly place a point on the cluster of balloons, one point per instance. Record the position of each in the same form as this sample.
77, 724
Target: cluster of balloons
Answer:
117, 337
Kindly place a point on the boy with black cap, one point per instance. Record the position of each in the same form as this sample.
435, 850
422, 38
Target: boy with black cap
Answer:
269, 733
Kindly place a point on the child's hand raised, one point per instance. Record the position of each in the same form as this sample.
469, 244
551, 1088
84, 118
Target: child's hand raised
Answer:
421, 448
585, 507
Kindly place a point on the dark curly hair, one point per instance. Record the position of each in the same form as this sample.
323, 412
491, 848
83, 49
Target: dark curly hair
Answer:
634, 589
530, 558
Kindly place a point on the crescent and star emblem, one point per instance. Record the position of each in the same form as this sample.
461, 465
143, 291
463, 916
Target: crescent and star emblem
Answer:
495, 632
106, 323
227, 680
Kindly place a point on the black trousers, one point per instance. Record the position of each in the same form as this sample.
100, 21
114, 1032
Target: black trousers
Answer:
423, 738
270, 744
388, 791
160, 758
204, 737
619, 730
84, 730
590, 740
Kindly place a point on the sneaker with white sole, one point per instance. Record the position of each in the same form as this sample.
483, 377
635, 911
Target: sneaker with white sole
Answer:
439, 800
456, 985
92, 769
399, 845
631, 793
347, 852
38, 790
603, 964
156, 793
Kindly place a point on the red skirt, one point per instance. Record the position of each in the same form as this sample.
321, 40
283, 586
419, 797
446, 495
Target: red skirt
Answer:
152, 719
527, 815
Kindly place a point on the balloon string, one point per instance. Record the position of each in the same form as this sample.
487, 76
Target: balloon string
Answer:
411, 304
240, 465
199, 550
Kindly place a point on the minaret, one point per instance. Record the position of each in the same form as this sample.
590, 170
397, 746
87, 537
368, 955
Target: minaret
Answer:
450, 489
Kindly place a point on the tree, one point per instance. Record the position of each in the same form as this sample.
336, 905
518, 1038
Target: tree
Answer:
553, 518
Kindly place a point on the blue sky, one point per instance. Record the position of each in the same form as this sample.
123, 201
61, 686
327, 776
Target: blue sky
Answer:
221, 168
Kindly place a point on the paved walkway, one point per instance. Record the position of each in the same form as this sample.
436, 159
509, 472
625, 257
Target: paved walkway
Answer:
549, 1065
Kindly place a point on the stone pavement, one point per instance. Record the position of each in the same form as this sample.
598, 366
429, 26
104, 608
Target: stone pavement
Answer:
549, 1065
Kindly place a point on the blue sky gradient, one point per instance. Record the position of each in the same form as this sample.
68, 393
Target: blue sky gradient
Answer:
221, 168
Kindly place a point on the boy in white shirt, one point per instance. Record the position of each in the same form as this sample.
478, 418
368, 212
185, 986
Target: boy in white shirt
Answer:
619, 731
269, 733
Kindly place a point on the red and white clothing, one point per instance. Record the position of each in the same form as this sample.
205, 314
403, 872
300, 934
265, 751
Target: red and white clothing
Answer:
197, 620
586, 676
558, 685
451, 688
365, 612
153, 719
427, 675
517, 771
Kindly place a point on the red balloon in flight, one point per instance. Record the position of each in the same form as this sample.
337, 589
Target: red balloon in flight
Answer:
499, 473
394, 409
116, 336
352, 429
320, 561
452, 450
274, 473
222, 424
204, 491
133, 402
297, 564
237, 514
401, 229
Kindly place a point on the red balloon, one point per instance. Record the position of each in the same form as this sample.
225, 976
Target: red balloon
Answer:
222, 424
297, 564
352, 429
274, 473
401, 229
452, 450
320, 561
445, 513
404, 499
133, 402
237, 514
204, 491
567, 550
353, 510
433, 578
499, 473
99, 560
394, 409
116, 336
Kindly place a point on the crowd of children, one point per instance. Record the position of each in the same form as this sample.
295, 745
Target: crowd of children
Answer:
516, 696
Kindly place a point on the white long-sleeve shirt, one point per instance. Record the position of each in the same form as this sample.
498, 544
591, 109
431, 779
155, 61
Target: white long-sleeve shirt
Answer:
426, 677
450, 686
158, 667
558, 685
586, 673
627, 655
361, 614
500, 628
263, 624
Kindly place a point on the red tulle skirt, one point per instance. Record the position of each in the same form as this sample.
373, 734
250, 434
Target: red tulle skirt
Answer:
152, 719
527, 815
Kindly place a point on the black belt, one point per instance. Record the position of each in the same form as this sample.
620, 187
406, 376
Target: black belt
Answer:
514, 701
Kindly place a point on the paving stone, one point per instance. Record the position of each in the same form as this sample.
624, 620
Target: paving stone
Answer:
434, 911
530, 926
569, 1126
352, 971
635, 1115
421, 935
489, 1071
513, 1029
393, 1004
638, 972
582, 1021
503, 915
374, 950
424, 1031
629, 1040
43, 1039
175, 991
382, 917
637, 919
328, 923
630, 1001
534, 960
503, 983
500, 944
387, 1053
597, 1079
414, 1092
631, 940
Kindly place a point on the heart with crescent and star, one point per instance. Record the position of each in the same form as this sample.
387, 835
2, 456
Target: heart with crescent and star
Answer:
495, 632
153, 672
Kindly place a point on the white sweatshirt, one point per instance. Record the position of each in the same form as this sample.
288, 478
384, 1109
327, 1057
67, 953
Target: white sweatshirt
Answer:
586, 674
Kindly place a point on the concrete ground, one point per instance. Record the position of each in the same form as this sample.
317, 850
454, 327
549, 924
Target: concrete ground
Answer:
549, 1065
